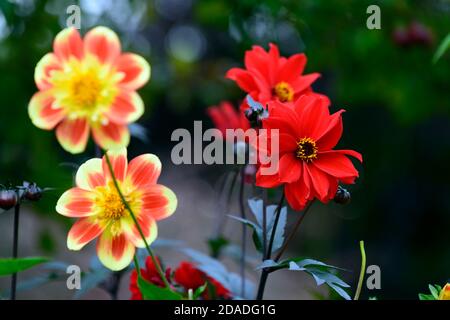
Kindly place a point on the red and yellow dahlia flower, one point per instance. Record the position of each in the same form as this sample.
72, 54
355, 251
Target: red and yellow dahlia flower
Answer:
270, 77
88, 85
101, 212
307, 164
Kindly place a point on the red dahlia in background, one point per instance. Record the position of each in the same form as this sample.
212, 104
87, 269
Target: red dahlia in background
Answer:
186, 275
189, 277
225, 116
150, 274
269, 77
308, 166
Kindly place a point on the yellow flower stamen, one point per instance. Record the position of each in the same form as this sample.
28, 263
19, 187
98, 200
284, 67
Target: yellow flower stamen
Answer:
306, 149
85, 88
284, 92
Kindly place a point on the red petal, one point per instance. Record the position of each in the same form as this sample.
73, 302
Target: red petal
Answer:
292, 68
73, 134
328, 138
335, 164
243, 79
290, 168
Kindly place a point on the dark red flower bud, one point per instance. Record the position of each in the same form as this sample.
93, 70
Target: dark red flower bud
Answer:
342, 196
8, 199
31, 191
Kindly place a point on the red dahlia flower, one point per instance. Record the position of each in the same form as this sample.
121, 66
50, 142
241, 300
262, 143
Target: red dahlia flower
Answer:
101, 212
225, 116
150, 274
88, 85
308, 166
268, 76
189, 277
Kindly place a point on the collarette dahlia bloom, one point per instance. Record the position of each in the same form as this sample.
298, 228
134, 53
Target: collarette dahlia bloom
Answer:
270, 77
88, 85
308, 166
101, 212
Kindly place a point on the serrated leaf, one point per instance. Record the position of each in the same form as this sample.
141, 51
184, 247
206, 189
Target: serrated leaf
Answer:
321, 272
257, 208
257, 231
10, 266
153, 292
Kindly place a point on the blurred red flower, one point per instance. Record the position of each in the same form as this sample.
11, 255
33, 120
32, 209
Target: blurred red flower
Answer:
225, 116
186, 275
189, 277
149, 273
268, 76
308, 167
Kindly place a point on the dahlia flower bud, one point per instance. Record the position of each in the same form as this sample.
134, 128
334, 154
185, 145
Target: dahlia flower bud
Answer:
445, 292
31, 191
8, 199
342, 196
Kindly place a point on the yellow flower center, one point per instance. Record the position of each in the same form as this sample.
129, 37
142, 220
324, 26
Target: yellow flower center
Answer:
306, 149
111, 210
112, 206
284, 92
85, 88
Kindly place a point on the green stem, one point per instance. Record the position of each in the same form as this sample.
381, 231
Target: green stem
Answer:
136, 265
274, 227
15, 248
127, 206
265, 271
363, 270
244, 232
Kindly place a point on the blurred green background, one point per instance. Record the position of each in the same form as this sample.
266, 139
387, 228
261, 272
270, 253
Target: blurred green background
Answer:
398, 105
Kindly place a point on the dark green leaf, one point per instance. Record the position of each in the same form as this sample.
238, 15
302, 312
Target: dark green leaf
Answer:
10, 266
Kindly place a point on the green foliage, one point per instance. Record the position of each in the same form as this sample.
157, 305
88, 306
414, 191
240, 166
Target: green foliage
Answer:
321, 272
256, 206
10, 266
153, 292
435, 290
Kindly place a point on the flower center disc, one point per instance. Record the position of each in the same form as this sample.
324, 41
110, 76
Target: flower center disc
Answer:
85, 89
284, 92
112, 207
306, 149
